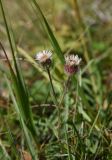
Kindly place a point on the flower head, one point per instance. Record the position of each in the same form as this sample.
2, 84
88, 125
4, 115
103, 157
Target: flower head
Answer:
71, 64
44, 57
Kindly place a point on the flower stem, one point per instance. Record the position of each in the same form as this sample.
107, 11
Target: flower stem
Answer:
56, 103
67, 141
65, 90
53, 91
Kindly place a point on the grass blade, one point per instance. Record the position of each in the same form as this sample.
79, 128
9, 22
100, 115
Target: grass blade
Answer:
25, 130
3, 152
18, 81
50, 34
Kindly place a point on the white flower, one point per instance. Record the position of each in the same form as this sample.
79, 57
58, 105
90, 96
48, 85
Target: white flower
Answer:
72, 60
43, 56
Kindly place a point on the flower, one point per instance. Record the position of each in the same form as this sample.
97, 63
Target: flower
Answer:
71, 64
44, 57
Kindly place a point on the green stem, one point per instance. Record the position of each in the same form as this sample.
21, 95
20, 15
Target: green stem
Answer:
68, 148
56, 103
50, 78
65, 91
66, 115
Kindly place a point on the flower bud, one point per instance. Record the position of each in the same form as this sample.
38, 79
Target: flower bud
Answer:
72, 64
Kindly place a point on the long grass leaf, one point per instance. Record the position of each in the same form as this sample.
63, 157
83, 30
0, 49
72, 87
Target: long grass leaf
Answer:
3, 153
50, 34
19, 85
26, 132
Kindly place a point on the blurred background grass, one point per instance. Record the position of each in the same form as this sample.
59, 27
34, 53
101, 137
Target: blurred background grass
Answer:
30, 37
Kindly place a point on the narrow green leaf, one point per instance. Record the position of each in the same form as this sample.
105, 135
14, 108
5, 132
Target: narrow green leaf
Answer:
81, 92
50, 34
3, 152
18, 81
23, 126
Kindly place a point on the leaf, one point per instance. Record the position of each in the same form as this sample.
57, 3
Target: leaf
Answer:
84, 114
3, 152
81, 92
18, 82
23, 125
50, 34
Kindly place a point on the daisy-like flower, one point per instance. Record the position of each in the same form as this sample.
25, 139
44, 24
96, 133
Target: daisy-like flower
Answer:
44, 57
72, 64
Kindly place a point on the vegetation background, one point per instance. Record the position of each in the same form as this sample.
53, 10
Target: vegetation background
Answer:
30, 128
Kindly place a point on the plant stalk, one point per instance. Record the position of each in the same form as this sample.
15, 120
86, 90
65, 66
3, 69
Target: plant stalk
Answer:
56, 103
